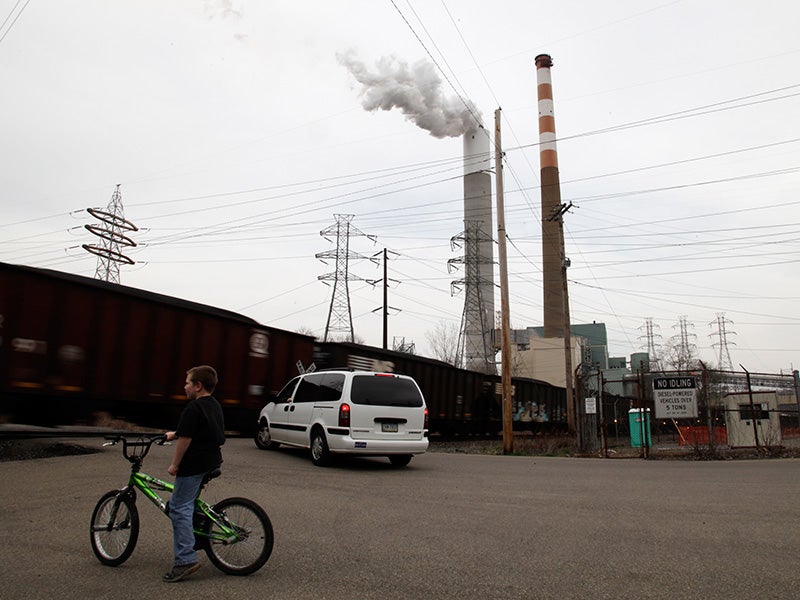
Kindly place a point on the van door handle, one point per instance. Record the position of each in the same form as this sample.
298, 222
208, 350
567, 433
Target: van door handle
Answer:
286, 408
291, 408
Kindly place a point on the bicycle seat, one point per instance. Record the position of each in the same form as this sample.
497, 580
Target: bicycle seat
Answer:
212, 475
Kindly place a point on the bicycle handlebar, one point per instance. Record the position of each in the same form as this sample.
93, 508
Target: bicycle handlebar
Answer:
136, 447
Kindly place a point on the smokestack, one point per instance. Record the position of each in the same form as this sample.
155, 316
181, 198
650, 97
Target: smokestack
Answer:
554, 263
552, 232
479, 252
416, 91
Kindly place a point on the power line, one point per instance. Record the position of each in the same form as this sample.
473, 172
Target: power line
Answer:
466, 104
684, 114
15, 18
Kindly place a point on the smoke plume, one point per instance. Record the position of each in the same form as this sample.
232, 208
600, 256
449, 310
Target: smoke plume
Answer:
416, 91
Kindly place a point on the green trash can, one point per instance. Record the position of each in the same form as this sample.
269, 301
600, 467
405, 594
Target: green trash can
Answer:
639, 429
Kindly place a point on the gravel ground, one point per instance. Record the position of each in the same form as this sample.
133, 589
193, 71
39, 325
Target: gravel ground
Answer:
29, 449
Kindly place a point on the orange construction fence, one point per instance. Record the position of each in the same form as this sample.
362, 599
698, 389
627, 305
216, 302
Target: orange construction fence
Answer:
694, 435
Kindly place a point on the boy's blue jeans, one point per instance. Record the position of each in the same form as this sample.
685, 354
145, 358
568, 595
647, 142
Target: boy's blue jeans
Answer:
181, 509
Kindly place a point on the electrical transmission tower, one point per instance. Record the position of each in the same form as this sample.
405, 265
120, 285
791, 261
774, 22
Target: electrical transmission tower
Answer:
684, 349
110, 231
653, 348
475, 349
400, 345
340, 317
725, 363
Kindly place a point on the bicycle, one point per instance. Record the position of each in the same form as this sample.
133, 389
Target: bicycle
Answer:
235, 533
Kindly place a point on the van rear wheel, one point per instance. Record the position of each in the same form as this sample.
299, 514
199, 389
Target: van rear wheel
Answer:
400, 460
320, 453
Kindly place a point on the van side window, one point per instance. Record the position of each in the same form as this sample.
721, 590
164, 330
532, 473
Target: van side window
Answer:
286, 393
332, 386
309, 390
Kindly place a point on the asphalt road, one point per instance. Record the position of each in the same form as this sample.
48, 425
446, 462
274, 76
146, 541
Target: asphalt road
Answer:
447, 526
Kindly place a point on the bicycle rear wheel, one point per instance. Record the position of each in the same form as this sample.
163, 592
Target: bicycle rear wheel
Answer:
114, 528
247, 544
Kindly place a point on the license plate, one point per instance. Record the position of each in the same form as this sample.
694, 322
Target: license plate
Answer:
389, 427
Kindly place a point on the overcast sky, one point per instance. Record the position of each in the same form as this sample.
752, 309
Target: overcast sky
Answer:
236, 135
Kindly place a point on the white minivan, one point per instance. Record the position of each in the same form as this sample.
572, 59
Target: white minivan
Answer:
347, 412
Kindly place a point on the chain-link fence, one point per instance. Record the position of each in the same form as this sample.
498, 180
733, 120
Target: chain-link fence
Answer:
701, 410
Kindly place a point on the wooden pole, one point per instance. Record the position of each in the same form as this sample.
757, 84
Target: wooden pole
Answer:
573, 416
385, 301
505, 319
601, 408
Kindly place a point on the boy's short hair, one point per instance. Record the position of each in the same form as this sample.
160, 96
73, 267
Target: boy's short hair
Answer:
205, 376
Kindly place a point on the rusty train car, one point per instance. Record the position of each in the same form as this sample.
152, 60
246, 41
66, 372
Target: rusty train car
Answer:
73, 347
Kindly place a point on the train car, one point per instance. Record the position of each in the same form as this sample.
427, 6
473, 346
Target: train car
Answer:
460, 402
71, 346
539, 407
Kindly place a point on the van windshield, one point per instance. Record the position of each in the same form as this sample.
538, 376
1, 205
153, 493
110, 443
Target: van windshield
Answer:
385, 391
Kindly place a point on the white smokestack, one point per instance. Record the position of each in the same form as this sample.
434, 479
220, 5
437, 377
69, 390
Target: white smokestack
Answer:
415, 91
479, 252
477, 151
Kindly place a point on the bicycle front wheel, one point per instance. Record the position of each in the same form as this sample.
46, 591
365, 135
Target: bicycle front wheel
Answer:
114, 528
240, 540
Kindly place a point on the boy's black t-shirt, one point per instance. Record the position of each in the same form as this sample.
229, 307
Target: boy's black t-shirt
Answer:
202, 421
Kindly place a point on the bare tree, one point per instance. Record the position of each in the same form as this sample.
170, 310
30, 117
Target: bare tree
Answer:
357, 339
518, 368
303, 329
443, 342
679, 357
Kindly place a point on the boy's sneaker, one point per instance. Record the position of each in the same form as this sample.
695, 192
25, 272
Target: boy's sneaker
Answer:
180, 572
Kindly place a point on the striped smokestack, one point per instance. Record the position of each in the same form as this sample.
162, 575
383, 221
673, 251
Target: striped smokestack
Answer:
551, 203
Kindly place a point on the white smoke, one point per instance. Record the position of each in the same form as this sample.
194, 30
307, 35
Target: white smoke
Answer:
231, 11
223, 8
415, 91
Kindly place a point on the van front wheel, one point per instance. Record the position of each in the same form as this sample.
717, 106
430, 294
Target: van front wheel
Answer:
263, 437
320, 453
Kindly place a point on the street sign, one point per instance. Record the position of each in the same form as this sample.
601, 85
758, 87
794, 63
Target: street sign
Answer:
675, 397
591, 406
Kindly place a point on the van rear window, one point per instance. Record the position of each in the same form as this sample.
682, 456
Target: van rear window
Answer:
385, 391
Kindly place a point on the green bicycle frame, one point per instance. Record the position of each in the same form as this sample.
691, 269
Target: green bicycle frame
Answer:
148, 485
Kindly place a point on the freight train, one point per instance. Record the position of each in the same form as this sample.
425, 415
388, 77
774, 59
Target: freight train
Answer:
72, 348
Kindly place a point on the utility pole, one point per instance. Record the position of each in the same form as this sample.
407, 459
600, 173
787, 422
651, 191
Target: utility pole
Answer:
505, 318
385, 301
576, 423
796, 381
572, 424
644, 426
385, 308
752, 408
603, 425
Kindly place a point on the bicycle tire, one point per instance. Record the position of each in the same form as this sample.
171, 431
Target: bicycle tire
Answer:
113, 543
253, 546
